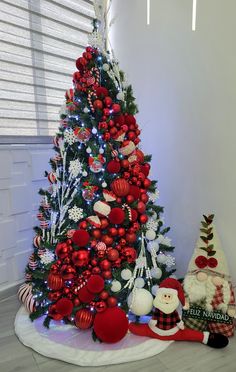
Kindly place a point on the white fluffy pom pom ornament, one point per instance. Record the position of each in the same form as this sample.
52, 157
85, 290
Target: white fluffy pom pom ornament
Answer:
120, 96
154, 289
139, 283
140, 301
115, 286
105, 67
126, 274
153, 246
161, 258
156, 272
150, 234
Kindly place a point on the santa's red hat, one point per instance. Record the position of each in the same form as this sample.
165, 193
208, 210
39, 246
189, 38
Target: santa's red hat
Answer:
174, 285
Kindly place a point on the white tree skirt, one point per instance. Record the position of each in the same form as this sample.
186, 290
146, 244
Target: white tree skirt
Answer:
67, 343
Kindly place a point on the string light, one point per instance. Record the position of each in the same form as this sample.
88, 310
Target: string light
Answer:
148, 12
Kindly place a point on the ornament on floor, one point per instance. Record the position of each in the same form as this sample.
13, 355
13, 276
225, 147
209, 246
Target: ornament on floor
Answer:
208, 286
166, 324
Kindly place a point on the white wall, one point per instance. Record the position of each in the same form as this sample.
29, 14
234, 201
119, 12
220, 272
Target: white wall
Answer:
185, 84
21, 175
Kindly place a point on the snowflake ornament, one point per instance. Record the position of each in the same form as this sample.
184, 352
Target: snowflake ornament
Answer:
47, 257
170, 261
152, 224
75, 213
153, 196
70, 137
75, 168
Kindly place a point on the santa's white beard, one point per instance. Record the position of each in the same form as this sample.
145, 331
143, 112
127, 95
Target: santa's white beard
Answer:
195, 290
166, 308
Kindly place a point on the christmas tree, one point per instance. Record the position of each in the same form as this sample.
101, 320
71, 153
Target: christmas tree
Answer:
100, 249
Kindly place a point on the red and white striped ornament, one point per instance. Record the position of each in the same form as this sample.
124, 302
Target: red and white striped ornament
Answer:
32, 263
94, 221
114, 153
40, 216
52, 178
28, 277
44, 224
101, 247
90, 95
37, 241
26, 297
126, 206
101, 208
41, 251
46, 206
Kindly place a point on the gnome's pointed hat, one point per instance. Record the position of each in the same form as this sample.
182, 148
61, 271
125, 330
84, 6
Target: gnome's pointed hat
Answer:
208, 255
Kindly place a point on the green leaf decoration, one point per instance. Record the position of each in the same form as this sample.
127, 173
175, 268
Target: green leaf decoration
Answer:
211, 253
210, 236
207, 219
210, 247
204, 239
204, 249
204, 224
205, 231
211, 217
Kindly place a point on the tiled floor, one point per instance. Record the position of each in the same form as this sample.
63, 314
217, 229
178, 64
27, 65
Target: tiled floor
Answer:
179, 357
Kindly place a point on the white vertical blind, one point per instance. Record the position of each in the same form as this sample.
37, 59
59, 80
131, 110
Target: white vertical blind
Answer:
39, 43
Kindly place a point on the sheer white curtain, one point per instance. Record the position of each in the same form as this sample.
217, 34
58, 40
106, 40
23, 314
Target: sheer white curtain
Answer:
39, 42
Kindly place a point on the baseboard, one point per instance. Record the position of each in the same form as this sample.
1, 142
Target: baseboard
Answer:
10, 291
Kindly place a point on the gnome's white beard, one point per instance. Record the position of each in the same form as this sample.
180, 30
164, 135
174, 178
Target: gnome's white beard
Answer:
197, 291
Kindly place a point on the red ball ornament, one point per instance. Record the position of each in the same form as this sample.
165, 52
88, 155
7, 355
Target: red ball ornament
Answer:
141, 207
131, 135
106, 111
131, 237
117, 263
106, 136
83, 225
146, 183
117, 216
81, 238
104, 295
120, 187
67, 272
113, 255
97, 233
80, 258
54, 296
87, 273
100, 306
55, 282
105, 265
144, 198
143, 218
62, 250
85, 295
121, 231
107, 274
111, 325
140, 155
52, 313
129, 199
108, 240
134, 215
130, 119
136, 226
76, 302
113, 132
94, 262
113, 166
104, 223
95, 284
134, 191
116, 108
64, 306
108, 101
125, 163
112, 301
101, 92
145, 169
84, 319
111, 123
96, 270
119, 119
141, 177
113, 231
97, 104
122, 242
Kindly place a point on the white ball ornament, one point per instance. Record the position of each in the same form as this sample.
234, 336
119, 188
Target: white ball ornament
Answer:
94, 130
139, 283
88, 150
101, 150
150, 234
105, 67
120, 96
115, 286
140, 301
161, 258
104, 184
126, 274
154, 289
84, 174
156, 272
153, 245
86, 110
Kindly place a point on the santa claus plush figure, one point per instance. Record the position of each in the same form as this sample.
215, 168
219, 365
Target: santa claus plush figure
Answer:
207, 284
166, 324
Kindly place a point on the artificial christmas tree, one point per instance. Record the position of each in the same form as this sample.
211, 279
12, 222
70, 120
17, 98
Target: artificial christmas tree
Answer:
100, 250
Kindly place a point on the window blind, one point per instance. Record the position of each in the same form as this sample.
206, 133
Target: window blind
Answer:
39, 43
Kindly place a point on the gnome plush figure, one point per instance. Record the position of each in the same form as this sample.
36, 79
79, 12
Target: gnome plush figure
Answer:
166, 324
207, 284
